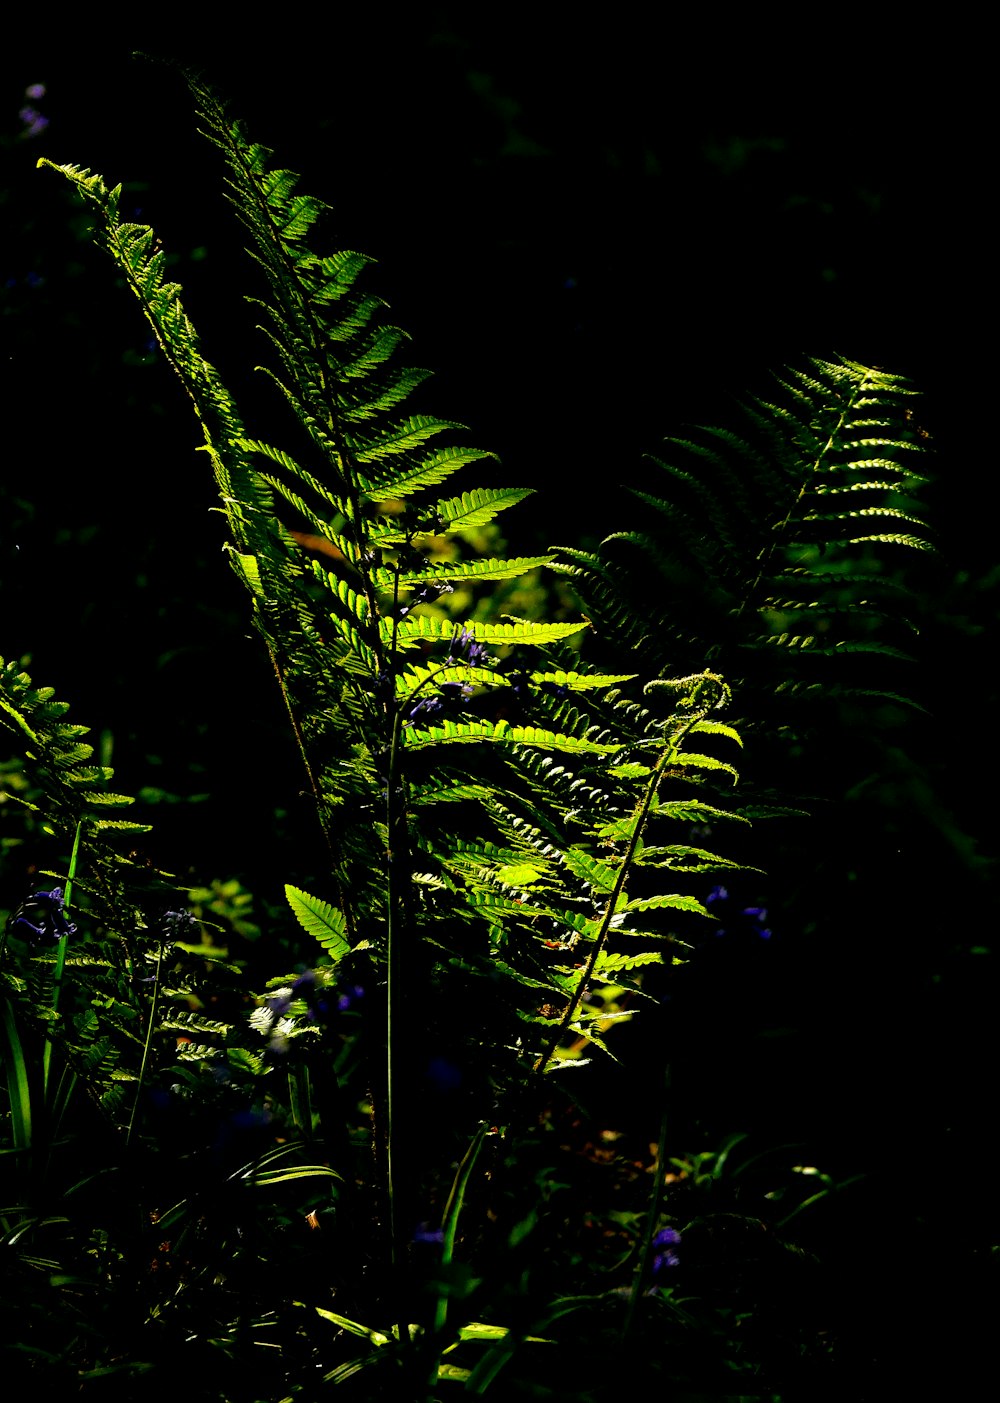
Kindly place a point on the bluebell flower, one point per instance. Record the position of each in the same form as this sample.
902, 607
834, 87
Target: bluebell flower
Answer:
431, 590
465, 647
178, 925
34, 121
349, 997
750, 920
426, 707
42, 917
665, 1240
424, 1233
449, 698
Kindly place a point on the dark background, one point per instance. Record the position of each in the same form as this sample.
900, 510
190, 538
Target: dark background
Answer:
596, 232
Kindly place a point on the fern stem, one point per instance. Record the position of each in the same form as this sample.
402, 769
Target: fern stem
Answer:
779, 531
150, 1025
60, 964
646, 1256
396, 935
600, 940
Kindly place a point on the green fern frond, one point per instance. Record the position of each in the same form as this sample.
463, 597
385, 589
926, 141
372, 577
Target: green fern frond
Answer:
476, 508
503, 731
760, 554
480, 569
425, 628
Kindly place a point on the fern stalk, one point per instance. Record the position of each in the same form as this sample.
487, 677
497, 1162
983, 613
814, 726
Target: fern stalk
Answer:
655, 1196
667, 757
150, 1025
781, 530
60, 964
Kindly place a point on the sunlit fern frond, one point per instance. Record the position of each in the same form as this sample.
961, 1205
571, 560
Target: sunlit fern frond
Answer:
777, 554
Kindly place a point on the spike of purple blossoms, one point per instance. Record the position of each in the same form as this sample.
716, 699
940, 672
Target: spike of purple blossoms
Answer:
42, 917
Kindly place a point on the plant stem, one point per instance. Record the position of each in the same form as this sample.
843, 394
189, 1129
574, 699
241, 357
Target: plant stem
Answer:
148, 1043
60, 965
642, 1272
641, 814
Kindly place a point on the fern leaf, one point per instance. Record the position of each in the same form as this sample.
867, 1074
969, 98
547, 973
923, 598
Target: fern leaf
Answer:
435, 468
417, 737
481, 569
430, 628
321, 920
476, 508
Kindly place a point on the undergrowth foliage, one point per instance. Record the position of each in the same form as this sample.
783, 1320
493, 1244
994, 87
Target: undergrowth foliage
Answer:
516, 834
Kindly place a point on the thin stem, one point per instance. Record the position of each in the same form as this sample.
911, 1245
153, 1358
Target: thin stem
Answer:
60, 964
612, 905
779, 531
397, 932
148, 1043
659, 1178
600, 940
452, 1210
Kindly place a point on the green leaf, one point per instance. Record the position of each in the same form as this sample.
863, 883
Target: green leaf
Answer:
485, 569
323, 921
417, 737
677, 903
420, 628
583, 681
478, 507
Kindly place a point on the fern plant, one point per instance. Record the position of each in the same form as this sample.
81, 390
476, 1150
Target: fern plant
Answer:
515, 835
485, 830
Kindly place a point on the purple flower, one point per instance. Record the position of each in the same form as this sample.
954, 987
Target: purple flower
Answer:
425, 1233
751, 920
42, 917
465, 647
426, 707
665, 1240
178, 925
449, 698
34, 121
431, 590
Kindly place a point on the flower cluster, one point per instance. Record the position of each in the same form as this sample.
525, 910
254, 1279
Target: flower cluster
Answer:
750, 920
464, 648
178, 926
448, 697
665, 1257
42, 918
34, 121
